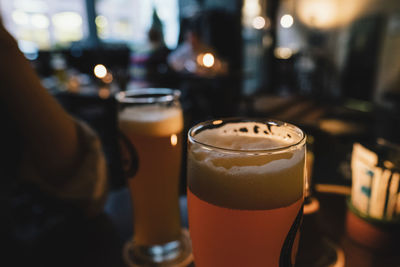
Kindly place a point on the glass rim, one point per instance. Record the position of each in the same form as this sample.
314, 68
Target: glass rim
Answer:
147, 95
289, 147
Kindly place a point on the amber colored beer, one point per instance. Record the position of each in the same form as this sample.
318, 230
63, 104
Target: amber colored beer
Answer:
245, 193
156, 134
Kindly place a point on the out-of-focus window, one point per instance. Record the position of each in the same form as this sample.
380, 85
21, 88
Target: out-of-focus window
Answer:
45, 24
130, 20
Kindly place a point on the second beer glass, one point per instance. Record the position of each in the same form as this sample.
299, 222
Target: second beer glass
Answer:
151, 122
245, 192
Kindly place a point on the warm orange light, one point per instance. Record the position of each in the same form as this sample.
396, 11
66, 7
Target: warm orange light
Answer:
388, 164
108, 78
283, 52
217, 122
174, 139
100, 71
104, 93
326, 14
208, 60
199, 59
73, 84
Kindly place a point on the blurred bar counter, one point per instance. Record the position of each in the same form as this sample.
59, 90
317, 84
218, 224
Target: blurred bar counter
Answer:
332, 127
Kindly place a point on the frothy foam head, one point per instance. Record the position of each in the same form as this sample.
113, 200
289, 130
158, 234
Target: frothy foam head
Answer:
244, 136
152, 120
247, 137
244, 172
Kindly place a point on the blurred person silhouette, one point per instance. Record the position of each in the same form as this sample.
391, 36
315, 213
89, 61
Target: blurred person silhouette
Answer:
41, 145
150, 61
158, 72
194, 55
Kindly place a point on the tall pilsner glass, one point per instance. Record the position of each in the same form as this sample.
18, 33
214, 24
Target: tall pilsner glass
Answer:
245, 192
151, 122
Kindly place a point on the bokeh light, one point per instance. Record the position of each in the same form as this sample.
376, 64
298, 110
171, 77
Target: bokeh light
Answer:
283, 52
100, 71
208, 60
286, 21
258, 22
174, 140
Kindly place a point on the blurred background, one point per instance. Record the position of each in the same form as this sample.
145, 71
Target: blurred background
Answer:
330, 66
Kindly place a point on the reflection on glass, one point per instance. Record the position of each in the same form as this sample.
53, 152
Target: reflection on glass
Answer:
174, 140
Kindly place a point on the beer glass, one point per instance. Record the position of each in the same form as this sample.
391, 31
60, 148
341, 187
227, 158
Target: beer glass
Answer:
245, 192
151, 123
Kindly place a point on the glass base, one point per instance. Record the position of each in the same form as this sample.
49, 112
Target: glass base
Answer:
172, 254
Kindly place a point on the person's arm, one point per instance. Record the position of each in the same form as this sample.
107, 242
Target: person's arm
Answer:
49, 134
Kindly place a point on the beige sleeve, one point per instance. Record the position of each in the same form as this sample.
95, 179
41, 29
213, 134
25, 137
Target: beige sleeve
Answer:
87, 188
